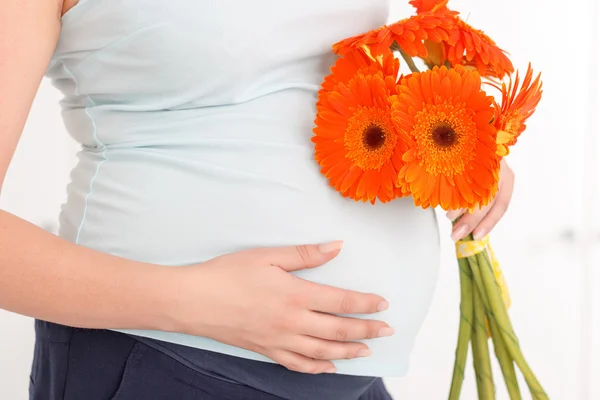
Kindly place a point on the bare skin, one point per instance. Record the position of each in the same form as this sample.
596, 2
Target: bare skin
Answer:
67, 5
482, 221
246, 299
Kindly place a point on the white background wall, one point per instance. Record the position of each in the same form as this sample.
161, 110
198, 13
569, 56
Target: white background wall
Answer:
549, 243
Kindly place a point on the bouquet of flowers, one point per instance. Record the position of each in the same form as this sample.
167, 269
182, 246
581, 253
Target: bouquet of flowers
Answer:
438, 136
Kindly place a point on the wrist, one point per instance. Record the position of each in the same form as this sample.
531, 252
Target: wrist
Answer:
171, 299
155, 308
167, 291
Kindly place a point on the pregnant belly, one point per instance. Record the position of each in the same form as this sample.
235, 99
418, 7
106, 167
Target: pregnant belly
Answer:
180, 205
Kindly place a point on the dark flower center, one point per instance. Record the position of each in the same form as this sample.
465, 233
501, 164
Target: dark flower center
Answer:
373, 137
443, 135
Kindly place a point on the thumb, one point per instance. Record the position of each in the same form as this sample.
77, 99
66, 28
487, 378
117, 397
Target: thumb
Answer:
295, 258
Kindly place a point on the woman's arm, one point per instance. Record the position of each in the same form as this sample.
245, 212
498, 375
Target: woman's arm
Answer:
49, 278
40, 274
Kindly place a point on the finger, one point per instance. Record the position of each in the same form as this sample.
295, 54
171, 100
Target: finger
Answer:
341, 329
497, 211
454, 214
299, 363
329, 299
294, 258
468, 222
320, 349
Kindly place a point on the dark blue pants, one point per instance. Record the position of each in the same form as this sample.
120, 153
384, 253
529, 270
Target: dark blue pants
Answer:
85, 364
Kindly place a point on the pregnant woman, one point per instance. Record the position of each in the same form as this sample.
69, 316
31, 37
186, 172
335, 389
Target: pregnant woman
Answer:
201, 254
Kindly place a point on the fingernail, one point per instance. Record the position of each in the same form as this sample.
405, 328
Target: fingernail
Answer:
330, 370
387, 331
363, 353
383, 306
479, 233
331, 246
460, 232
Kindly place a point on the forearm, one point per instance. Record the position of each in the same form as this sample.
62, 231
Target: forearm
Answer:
46, 277
42, 275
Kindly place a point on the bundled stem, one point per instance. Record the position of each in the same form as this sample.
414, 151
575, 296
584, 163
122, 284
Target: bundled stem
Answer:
481, 300
502, 354
481, 353
465, 328
504, 358
500, 315
505, 361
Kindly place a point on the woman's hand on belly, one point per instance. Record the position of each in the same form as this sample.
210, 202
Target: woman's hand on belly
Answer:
251, 300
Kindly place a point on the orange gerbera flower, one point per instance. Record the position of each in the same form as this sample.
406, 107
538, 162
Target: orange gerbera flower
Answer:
471, 47
452, 159
517, 106
409, 34
429, 5
355, 61
356, 143
481, 51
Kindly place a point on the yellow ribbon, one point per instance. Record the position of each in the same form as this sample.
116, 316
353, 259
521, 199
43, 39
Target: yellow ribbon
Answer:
470, 248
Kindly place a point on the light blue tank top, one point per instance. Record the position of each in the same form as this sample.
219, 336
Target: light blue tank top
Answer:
195, 119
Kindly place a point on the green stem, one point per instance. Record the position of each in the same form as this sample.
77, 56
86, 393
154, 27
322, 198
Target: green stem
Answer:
464, 330
500, 315
408, 59
505, 361
481, 352
504, 358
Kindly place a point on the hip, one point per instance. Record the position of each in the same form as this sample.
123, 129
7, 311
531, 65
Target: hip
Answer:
72, 363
